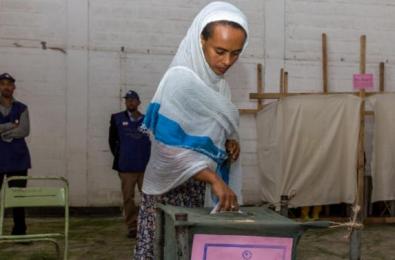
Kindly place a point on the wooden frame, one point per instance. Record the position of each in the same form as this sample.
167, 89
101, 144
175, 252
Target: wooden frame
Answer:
360, 203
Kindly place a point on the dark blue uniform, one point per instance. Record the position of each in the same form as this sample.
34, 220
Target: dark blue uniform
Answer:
131, 148
14, 155
15, 161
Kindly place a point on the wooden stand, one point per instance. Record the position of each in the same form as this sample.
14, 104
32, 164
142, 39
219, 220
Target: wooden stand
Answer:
362, 199
355, 243
324, 64
260, 90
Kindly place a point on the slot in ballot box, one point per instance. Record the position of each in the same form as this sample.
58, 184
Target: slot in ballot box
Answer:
256, 233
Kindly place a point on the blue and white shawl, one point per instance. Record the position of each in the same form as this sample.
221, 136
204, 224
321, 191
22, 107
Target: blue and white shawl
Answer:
191, 115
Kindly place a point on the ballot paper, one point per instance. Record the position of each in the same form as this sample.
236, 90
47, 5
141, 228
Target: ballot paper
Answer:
215, 210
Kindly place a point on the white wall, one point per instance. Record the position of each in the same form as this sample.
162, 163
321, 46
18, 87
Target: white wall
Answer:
74, 85
344, 21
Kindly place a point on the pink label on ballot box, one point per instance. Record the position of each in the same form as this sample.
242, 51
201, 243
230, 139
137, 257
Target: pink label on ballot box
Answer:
363, 81
223, 247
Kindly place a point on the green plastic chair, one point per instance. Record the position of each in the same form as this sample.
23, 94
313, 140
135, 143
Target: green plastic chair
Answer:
36, 197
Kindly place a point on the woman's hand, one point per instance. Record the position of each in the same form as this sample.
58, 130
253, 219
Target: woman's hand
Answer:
233, 149
227, 198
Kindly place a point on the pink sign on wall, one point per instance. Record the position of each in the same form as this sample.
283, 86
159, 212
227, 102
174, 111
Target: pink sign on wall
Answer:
363, 81
224, 247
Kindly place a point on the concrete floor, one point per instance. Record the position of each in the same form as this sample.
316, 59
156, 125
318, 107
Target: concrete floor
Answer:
105, 238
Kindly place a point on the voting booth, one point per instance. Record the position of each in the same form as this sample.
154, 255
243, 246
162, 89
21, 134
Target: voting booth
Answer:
253, 233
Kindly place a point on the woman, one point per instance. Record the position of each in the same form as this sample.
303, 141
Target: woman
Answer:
193, 123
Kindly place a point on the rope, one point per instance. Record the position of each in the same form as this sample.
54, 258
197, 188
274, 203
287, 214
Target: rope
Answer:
351, 225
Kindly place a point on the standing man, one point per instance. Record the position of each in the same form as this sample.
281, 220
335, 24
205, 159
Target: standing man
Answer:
14, 154
131, 149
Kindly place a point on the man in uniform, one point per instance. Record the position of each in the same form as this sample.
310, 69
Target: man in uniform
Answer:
131, 150
14, 153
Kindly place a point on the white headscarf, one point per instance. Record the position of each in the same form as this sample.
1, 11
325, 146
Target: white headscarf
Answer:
191, 115
190, 53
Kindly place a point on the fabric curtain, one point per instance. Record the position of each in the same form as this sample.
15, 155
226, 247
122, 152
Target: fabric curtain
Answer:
383, 162
307, 149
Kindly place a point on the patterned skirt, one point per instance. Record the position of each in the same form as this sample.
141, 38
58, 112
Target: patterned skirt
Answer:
189, 195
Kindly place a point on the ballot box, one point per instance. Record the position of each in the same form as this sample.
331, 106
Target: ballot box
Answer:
255, 233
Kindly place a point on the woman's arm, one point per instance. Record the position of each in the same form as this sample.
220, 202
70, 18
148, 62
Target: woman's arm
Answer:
227, 198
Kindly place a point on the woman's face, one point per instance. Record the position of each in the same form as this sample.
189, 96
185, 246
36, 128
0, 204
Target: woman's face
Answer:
223, 48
